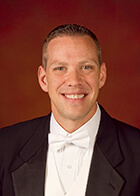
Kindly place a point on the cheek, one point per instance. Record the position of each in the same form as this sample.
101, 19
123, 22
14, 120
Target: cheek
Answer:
54, 82
93, 82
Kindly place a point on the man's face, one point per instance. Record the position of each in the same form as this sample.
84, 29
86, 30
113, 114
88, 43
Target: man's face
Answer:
73, 77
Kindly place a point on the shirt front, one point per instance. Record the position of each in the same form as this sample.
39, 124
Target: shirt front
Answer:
70, 159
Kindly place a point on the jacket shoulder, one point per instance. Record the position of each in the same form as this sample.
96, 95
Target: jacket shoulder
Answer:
20, 131
129, 140
127, 129
111, 129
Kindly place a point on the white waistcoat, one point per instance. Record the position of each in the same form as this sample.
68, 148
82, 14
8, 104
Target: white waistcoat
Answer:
53, 186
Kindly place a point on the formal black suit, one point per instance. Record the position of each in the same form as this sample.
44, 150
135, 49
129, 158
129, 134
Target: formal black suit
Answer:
115, 166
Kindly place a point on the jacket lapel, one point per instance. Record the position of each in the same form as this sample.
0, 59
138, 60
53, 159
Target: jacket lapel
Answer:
104, 180
28, 170
29, 179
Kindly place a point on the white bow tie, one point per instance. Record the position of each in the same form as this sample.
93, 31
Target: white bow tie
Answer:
80, 139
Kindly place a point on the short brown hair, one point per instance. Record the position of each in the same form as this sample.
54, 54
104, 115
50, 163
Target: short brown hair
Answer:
70, 30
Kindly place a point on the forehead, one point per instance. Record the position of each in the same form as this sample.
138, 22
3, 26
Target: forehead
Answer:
61, 38
83, 43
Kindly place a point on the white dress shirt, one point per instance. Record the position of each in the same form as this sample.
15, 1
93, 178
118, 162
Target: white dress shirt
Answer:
70, 159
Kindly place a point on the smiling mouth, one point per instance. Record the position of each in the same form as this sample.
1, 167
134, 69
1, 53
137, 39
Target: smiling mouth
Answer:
75, 96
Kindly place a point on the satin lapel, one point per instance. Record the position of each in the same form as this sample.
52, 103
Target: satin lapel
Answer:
103, 179
29, 179
28, 169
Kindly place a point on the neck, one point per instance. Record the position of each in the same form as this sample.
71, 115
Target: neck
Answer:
71, 125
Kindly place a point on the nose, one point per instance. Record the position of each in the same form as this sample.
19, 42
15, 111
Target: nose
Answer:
74, 78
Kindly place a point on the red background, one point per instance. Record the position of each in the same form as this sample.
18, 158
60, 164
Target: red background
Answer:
24, 26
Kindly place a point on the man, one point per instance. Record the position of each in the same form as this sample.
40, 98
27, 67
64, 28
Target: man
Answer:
78, 149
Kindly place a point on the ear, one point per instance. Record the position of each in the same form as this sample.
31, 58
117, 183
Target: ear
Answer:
42, 79
103, 75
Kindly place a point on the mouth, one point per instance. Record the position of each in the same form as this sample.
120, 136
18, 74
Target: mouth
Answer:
75, 96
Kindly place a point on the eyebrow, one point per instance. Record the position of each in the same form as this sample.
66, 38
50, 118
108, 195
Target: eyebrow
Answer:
62, 63
59, 63
89, 61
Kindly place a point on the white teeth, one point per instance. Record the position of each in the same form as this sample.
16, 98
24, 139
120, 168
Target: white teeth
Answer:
75, 96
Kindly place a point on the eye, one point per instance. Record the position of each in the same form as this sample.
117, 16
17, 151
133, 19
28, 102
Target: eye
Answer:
87, 67
59, 68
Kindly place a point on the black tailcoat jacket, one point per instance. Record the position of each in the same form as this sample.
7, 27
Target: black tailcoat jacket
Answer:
114, 170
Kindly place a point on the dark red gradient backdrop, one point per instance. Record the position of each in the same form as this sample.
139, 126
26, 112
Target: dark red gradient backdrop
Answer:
25, 24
